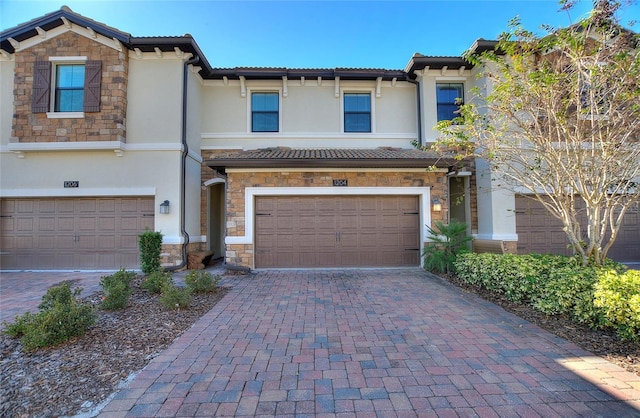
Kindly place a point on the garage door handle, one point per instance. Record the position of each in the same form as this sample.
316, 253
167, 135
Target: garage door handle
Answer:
412, 213
412, 249
147, 214
6, 216
263, 214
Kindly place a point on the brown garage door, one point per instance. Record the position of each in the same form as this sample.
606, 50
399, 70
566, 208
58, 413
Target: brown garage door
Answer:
540, 232
337, 231
73, 233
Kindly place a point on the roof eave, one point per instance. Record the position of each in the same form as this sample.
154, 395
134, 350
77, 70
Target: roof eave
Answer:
222, 164
53, 20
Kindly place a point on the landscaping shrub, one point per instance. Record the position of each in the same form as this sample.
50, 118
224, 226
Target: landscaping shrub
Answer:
150, 244
117, 289
156, 281
618, 296
174, 297
200, 281
445, 243
560, 285
61, 318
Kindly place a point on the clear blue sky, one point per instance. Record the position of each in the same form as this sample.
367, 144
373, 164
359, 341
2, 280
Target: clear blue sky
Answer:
315, 34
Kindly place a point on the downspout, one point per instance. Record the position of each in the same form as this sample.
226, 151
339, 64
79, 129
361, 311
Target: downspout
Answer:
183, 165
418, 106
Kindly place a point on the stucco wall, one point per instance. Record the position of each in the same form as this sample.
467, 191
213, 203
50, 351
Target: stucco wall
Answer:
155, 101
310, 115
6, 99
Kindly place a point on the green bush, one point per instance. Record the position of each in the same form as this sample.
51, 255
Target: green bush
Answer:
174, 297
618, 296
61, 318
150, 244
117, 289
200, 281
156, 281
445, 243
561, 285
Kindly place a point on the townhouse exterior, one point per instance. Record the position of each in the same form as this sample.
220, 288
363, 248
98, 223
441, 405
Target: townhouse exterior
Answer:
104, 135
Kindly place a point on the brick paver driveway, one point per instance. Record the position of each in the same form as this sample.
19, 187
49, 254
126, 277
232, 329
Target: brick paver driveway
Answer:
370, 343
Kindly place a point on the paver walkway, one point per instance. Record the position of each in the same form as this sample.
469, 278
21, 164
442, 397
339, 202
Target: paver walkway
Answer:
22, 291
367, 343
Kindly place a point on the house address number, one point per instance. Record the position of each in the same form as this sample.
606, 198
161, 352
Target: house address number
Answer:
340, 183
71, 184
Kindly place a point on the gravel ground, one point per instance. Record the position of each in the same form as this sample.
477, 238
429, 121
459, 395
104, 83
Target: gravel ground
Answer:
77, 376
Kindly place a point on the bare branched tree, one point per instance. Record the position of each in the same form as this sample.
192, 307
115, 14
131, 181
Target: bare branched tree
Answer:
560, 121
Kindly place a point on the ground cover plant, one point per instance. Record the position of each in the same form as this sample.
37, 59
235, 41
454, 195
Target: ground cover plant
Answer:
61, 317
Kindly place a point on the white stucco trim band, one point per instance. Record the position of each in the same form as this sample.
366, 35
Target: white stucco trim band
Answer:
80, 192
497, 237
250, 193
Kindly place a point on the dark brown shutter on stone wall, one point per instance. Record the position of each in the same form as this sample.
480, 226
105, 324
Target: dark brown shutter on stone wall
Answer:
41, 87
92, 81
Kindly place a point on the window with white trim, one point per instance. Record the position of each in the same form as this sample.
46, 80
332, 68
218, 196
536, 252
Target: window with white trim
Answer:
265, 109
69, 88
357, 112
449, 98
63, 85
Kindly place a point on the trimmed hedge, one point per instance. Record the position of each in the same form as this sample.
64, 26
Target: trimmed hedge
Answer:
596, 296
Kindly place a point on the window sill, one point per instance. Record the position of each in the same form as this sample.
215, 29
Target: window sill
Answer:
65, 115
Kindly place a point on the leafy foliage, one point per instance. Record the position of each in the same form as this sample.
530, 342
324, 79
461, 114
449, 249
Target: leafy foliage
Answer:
200, 281
117, 289
175, 297
618, 295
556, 285
445, 243
561, 122
61, 317
150, 244
156, 281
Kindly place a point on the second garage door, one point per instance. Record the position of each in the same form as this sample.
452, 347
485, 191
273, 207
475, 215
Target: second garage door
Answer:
73, 233
539, 232
337, 231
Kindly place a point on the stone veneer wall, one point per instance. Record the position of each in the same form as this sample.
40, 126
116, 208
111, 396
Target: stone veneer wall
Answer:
106, 125
171, 254
242, 254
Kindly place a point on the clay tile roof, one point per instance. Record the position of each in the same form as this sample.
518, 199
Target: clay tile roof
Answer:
353, 158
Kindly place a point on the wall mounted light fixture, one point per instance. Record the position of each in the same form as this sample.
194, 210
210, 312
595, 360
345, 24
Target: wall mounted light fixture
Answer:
164, 207
437, 206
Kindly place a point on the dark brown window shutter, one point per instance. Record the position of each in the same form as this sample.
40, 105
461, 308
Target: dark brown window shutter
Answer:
41, 87
92, 81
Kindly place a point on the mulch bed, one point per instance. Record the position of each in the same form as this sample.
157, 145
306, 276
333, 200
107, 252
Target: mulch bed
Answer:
77, 376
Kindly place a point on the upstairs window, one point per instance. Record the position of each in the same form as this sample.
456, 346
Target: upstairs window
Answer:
449, 98
357, 112
69, 93
264, 112
66, 85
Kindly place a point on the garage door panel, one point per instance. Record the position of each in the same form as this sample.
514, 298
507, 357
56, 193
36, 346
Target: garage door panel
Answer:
69, 233
47, 242
337, 231
129, 223
87, 223
65, 224
538, 231
46, 224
